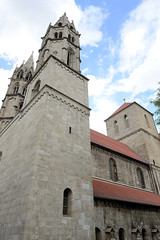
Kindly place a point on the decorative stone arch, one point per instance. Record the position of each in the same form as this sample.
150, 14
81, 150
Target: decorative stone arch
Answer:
109, 233
36, 88
154, 233
140, 178
67, 202
113, 170
121, 234
98, 234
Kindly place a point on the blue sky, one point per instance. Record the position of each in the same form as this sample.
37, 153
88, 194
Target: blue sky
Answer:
119, 40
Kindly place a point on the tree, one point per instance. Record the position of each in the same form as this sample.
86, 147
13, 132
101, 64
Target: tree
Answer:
156, 103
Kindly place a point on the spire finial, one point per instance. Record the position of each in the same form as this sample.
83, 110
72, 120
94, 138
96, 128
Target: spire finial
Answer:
124, 99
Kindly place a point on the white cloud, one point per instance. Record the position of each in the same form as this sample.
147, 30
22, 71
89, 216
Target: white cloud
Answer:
98, 86
84, 70
23, 23
140, 49
104, 107
90, 24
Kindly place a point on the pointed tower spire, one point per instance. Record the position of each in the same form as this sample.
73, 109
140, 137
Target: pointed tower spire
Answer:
30, 62
13, 101
61, 41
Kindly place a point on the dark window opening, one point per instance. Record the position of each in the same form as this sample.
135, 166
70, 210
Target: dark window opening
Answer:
60, 35
113, 170
116, 127
98, 234
69, 37
16, 88
20, 74
67, 202
70, 130
29, 76
59, 24
140, 178
56, 35
20, 105
121, 234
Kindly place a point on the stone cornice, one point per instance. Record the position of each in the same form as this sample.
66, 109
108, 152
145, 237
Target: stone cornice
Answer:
56, 95
139, 130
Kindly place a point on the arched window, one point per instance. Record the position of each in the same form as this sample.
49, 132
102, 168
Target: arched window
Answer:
140, 178
116, 129
69, 37
73, 39
67, 202
70, 57
144, 234
146, 119
16, 88
126, 122
60, 35
20, 104
0, 155
56, 35
121, 234
29, 76
98, 234
59, 24
24, 91
20, 74
36, 88
113, 170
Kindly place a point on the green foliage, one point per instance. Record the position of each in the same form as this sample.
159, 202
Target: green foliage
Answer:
156, 103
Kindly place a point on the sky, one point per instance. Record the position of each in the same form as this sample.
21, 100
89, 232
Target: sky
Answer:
120, 43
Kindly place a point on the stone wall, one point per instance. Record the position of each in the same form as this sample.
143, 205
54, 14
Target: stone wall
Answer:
126, 168
111, 216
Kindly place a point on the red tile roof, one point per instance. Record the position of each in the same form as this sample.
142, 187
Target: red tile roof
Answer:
124, 105
107, 190
114, 145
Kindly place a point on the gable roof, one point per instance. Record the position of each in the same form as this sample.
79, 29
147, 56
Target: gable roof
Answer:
125, 105
114, 145
102, 189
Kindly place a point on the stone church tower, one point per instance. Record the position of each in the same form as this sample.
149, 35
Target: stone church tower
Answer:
17, 88
49, 174
134, 126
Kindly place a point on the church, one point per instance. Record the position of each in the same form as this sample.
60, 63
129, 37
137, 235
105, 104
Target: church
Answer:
61, 180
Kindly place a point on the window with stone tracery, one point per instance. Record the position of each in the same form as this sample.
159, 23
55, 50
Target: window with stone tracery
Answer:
16, 88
